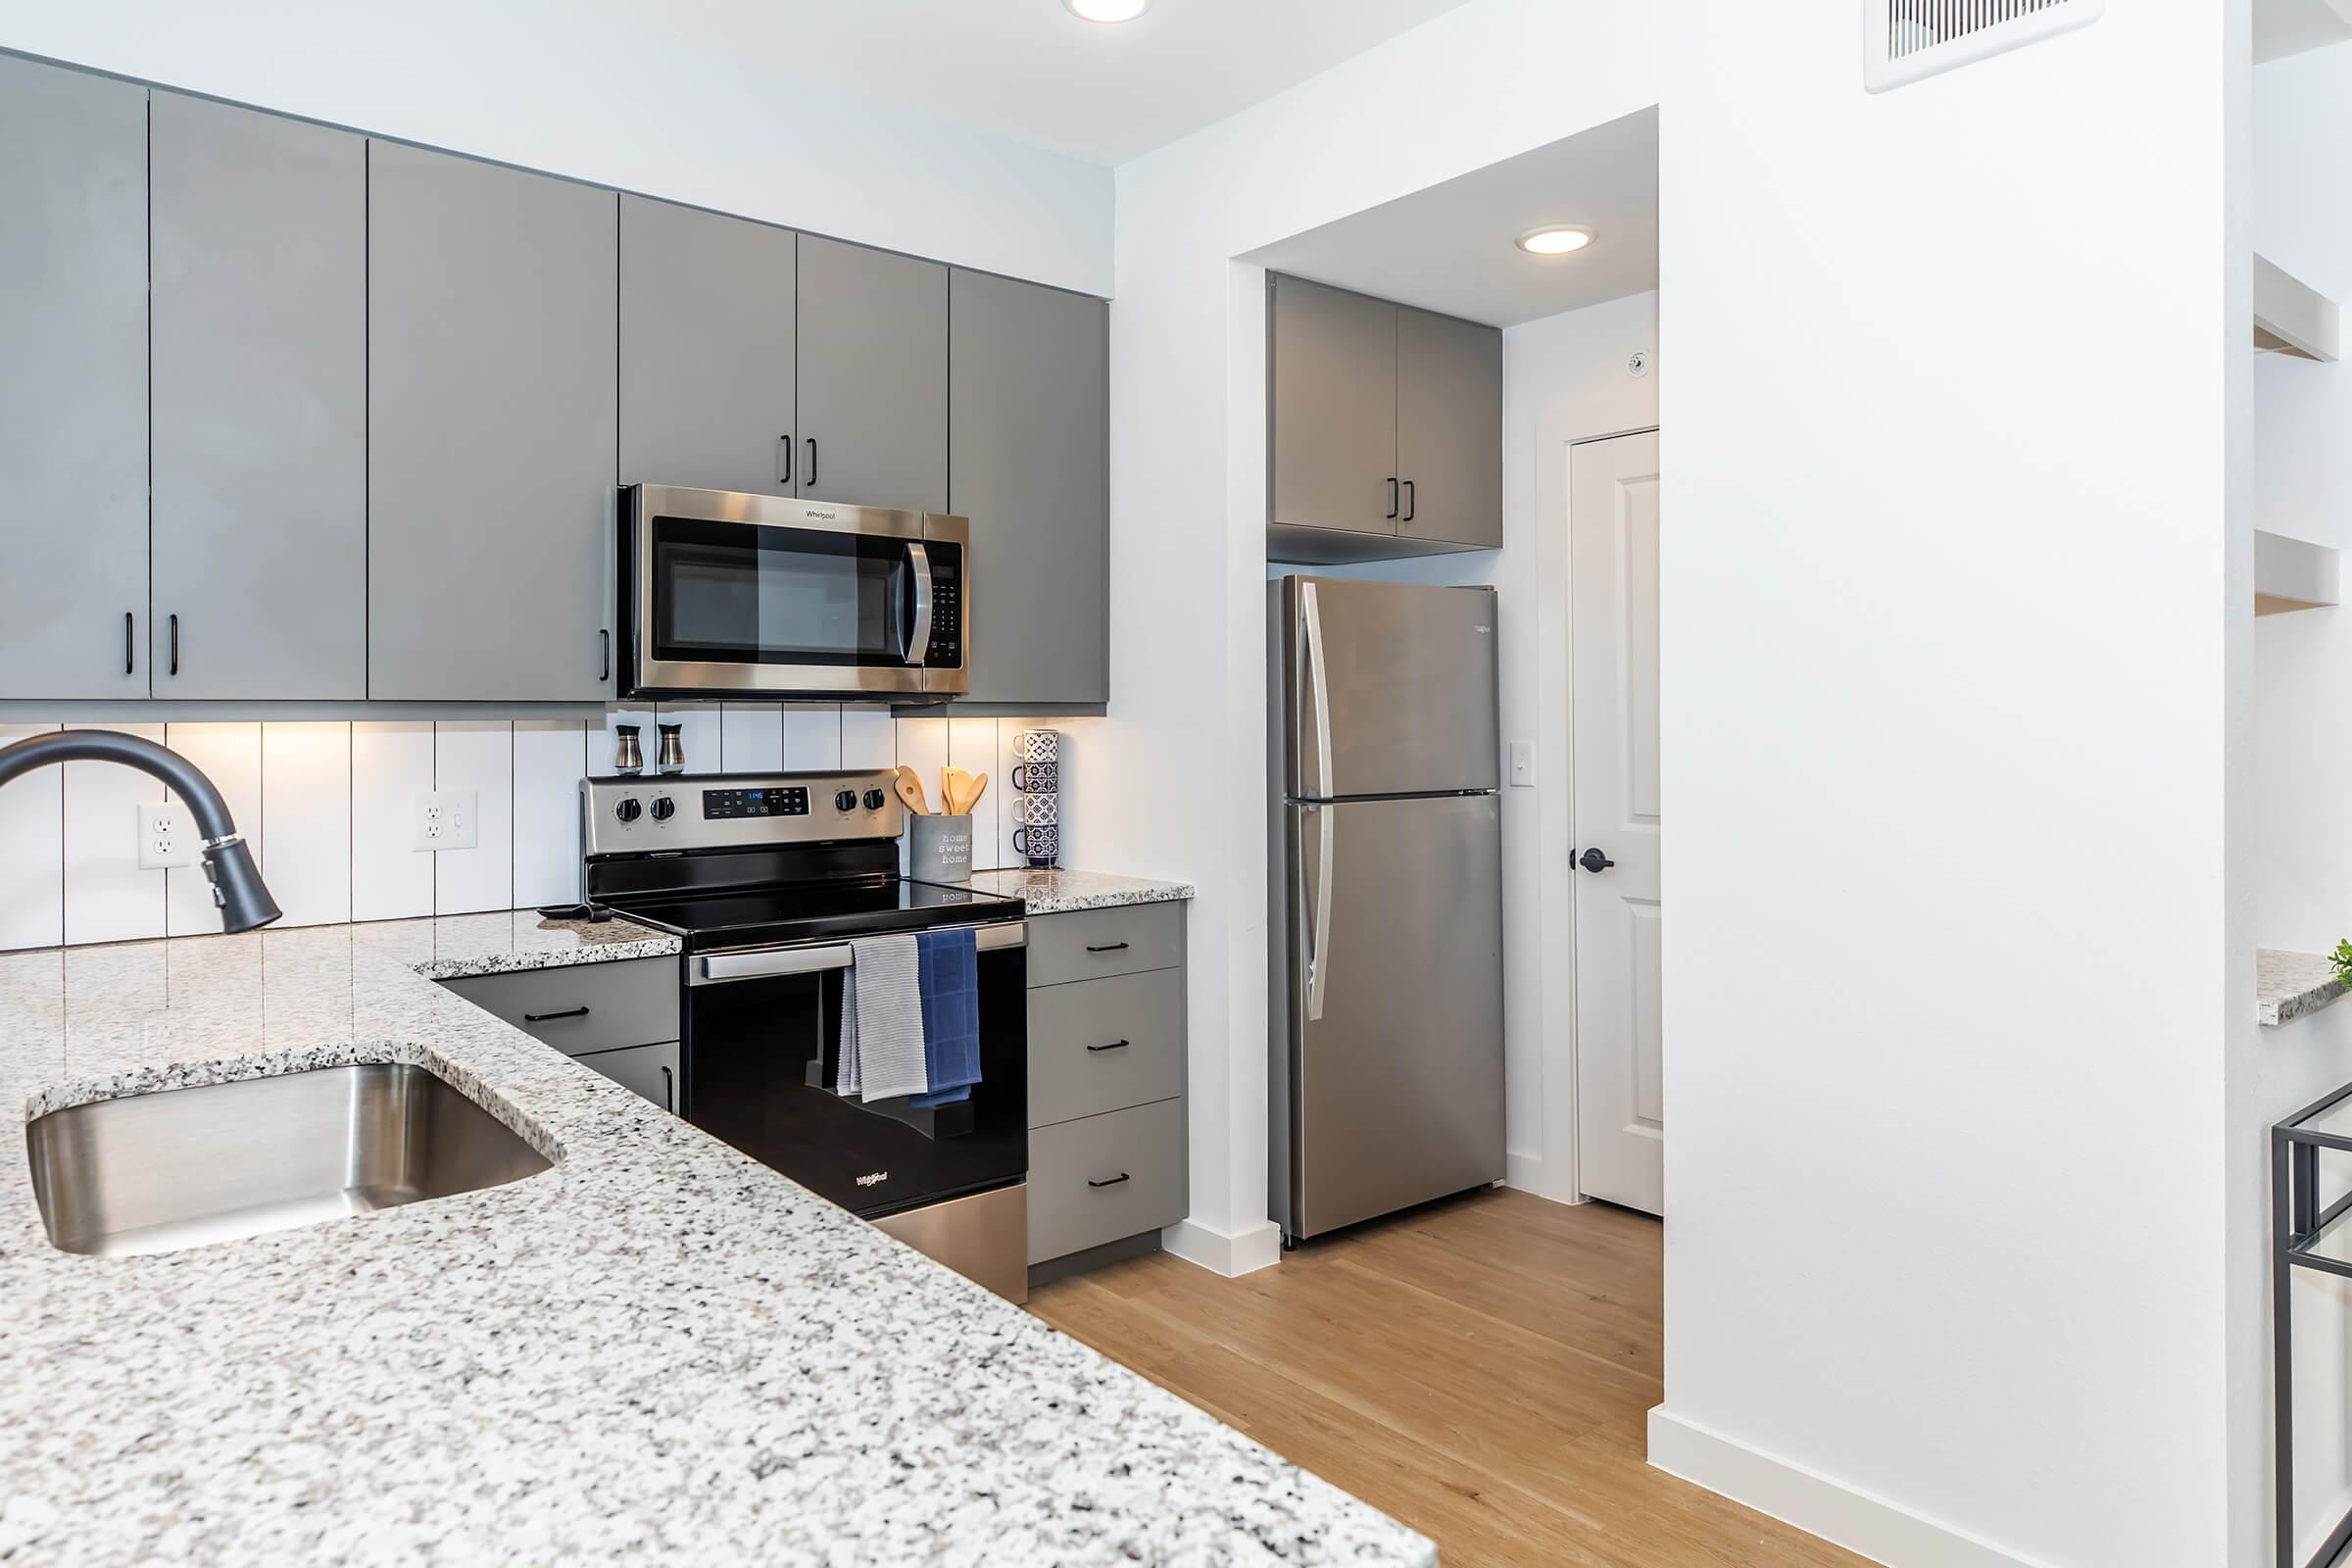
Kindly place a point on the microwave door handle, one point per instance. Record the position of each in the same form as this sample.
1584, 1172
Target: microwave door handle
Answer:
918, 631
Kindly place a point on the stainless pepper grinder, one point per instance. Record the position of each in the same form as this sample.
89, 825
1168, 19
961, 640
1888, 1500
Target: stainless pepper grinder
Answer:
626, 756
674, 748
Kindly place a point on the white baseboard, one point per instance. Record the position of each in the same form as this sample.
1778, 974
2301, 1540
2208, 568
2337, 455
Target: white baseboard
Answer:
1524, 1171
1230, 1255
1883, 1530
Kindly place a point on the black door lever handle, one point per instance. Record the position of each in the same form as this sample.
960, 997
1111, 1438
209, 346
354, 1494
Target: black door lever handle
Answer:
1594, 860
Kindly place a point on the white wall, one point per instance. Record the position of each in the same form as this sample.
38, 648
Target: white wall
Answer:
326, 808
1183, 752
1956, 592
587, 88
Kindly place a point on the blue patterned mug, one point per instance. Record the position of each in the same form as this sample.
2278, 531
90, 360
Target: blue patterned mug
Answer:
1037, 746
1037, 778
1038, 843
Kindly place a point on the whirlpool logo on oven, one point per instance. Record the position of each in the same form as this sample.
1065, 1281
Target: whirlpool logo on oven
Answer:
875, 1179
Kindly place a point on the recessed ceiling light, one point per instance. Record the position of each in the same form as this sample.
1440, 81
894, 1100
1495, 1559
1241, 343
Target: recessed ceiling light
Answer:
1556, 240
1107, 10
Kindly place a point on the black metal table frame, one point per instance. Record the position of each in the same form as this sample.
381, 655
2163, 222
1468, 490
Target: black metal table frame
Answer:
2297, 1222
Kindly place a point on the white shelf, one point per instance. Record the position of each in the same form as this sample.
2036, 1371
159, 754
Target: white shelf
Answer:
2293, 574
2284, 28
2289, 316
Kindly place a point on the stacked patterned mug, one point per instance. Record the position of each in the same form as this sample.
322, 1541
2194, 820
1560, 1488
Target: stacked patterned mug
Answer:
1037, 795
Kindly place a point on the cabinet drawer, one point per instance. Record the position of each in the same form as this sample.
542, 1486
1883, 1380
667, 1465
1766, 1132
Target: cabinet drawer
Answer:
649, 1070
585, 1006
1138, 1155
1087, 944
1105, 1045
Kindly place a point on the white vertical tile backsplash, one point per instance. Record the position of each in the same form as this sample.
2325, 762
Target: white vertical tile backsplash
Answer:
1001, 786
32, 874
923, 747
477, 756
108, 898
868, 737
972, 747
551, 756
811, 738
750, 738
389, 762
306, 820
698, 735
230, 755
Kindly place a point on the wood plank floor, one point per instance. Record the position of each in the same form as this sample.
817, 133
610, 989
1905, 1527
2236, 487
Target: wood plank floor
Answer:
1480, 1369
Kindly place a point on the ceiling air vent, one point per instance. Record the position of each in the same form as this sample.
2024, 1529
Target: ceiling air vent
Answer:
1913, 38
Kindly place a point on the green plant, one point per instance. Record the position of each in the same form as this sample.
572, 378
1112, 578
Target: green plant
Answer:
2341, 957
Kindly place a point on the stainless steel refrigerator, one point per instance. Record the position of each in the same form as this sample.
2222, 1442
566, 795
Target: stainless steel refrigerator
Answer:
1386, 898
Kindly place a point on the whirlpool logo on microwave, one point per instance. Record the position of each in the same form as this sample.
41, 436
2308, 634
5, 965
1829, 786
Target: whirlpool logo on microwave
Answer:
874, 1179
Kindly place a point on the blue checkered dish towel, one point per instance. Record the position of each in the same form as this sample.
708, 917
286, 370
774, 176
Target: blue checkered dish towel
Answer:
951, 982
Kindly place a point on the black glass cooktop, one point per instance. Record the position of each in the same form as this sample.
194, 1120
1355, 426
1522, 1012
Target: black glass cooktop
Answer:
810, 910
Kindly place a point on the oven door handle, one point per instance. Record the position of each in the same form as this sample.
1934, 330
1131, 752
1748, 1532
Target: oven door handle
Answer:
919, 630
769, 964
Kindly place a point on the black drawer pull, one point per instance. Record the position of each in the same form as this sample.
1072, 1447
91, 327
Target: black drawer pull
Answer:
670, 1100
1113, 1182
1116, 1045
1107, 946
544, 1017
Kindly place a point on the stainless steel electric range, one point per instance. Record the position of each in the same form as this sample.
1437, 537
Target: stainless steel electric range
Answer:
767, 879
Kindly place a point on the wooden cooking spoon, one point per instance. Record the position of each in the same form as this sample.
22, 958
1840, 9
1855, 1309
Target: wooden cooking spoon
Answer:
952, 784
909, 785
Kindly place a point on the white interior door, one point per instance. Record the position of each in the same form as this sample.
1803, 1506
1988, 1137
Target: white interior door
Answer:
1613, 618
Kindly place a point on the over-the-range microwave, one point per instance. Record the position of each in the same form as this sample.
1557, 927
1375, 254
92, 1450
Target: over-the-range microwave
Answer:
764, 596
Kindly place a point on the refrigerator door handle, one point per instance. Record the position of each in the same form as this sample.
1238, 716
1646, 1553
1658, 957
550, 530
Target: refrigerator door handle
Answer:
1311, 626
1318, 943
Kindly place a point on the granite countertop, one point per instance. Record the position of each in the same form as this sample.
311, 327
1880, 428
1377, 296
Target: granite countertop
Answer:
1051, 890
655, 1350
2290, 985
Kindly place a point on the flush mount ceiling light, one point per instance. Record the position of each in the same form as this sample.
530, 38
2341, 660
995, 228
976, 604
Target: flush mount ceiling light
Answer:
1106, 10
1556, 240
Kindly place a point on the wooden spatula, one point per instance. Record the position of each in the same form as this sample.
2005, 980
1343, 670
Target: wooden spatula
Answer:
909, 785
954, 785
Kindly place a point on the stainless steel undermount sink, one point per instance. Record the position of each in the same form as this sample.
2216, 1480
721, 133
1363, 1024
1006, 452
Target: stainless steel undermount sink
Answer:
183, 1167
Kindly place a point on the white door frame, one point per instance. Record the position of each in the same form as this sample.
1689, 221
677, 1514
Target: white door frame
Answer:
1561, 430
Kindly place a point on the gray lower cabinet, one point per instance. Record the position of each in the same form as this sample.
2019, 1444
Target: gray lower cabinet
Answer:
648, 1070
491, 458
872, 370
619, 1018
1449, 429
707, 349
1028, 450
1106, 1079
74, 400
260, 404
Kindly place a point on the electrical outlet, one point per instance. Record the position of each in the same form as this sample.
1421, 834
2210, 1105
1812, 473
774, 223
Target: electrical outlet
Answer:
165, 835
444, 820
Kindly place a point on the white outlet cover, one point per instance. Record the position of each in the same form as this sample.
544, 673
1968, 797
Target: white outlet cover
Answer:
165, 835
444, 820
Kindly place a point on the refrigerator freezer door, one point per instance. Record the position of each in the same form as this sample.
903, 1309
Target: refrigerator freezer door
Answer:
1395, 1092
1389, 689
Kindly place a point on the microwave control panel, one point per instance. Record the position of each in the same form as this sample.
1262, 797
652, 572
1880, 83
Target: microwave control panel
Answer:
946, 648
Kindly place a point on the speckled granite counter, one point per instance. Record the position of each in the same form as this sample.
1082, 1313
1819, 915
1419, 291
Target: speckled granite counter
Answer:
1052, 891
656, 1351
2291, 985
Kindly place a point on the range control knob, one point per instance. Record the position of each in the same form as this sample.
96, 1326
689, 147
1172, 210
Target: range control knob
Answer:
628, 808
846, 801
875, 799
664, 807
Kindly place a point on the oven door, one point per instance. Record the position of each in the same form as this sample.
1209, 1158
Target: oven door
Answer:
763, 1044
748, 594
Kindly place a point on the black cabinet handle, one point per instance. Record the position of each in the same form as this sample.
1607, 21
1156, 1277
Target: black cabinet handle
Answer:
543, 1017
668, 1100
175, 644
1116, 1045
784, 460
129, 649
810, 477
1392, 500
605, 641
1107, 946
1408, 502
1113, 1182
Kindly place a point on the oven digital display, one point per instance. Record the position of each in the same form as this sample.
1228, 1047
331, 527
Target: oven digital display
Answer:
721, 803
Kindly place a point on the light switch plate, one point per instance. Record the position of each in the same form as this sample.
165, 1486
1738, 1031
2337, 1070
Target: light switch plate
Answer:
165, 835
1523, 764
444, 820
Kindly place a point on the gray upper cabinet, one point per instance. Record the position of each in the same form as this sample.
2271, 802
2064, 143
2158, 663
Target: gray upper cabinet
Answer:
260, 404
491, 460
707, 349
1332, 407
74, 401
1028, 443
1384, 427
873, 378
1449, 429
